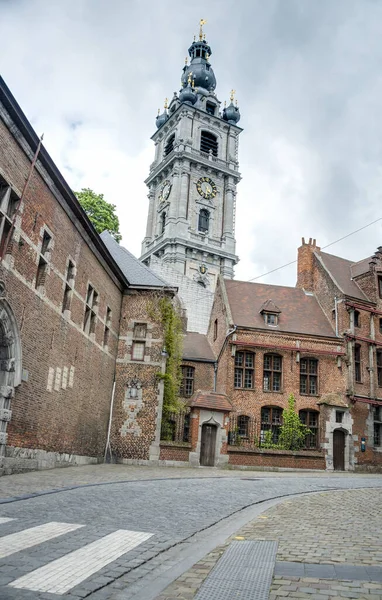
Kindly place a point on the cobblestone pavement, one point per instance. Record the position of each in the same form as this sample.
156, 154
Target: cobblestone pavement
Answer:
330, 528
126, 527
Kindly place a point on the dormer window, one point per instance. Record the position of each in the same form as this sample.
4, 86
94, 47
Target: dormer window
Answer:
270, 318
270, 313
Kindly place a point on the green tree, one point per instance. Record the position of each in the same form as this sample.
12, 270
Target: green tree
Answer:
101, 213
292, 431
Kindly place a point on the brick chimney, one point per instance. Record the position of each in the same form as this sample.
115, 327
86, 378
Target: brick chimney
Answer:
305, 262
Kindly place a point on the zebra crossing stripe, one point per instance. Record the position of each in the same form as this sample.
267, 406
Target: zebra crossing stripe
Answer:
63, 574
9, 544
5, 520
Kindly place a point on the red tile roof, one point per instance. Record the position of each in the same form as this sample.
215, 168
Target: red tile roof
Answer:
197, 347
210, 400
300, 312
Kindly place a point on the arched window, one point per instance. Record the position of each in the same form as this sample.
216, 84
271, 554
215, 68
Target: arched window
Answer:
271, 420
243, 426
272, 372
163, 222
169, 147
310, 419
204, 220
209, 141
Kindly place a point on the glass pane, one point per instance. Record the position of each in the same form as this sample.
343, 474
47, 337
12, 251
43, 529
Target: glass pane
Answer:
249, 360
277, 363
303, 365
276, 382
138, 351
238, 380
313, 384
303, 384
267, 362
239, 359
313, 367
313, 419
267, 382
302, 416
265, 415
248, 378
276, 415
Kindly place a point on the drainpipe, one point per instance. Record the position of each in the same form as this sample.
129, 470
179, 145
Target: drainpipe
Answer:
336, 315
216, 364
108, 447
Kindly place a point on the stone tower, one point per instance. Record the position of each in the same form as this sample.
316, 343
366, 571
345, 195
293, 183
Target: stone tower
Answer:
193, 179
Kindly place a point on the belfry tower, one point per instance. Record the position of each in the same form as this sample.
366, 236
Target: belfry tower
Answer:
193, 179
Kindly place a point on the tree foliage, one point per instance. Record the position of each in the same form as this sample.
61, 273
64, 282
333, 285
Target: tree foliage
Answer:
101, 213
292, 431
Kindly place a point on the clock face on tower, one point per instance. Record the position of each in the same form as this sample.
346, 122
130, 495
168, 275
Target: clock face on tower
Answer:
206, 187
165, 191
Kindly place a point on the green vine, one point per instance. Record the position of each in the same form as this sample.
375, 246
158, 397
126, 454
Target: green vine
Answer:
165, 313
292, 432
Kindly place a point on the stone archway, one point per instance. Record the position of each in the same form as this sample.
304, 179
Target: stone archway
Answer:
10, 366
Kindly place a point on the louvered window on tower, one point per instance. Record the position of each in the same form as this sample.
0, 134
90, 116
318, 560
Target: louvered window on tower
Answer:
208, 141
169, 147
204, 220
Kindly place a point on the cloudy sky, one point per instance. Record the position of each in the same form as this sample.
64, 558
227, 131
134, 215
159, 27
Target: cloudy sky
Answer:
91, 75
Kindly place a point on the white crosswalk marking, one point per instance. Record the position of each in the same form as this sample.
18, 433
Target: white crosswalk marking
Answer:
5, 520
9, 544
64, 573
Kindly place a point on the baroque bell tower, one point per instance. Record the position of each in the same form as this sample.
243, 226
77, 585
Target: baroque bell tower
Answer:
192, 181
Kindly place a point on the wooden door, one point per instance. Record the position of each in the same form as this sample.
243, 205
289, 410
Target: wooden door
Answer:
208, 445
338, 450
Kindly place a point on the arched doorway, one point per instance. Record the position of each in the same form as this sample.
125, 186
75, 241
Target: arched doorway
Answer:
339, 450
208, 445
10, 365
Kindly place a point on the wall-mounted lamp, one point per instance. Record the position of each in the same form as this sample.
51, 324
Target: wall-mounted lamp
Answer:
164, 352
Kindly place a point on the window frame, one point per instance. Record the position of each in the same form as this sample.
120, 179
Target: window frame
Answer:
269, 317
273, 423
188, 381
9, 205
357, 363
209, 141
306, 417
69, 287
138, 344
308, 376
169, 145
272, 373
91, 309
357, 319
377, 422
42, 266
247, 371
242, 424
378, 360
204, 220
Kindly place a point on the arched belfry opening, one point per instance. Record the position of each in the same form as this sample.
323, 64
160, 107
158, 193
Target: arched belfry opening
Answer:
10, 366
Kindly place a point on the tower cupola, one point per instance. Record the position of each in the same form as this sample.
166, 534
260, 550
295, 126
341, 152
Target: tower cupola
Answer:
162, 118
200, 69
231, 113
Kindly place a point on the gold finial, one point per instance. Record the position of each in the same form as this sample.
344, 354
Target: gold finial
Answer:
166, 103
193, 83
232, 96
207, 56
158, 112
186, 60
225, 103
189, 78
201, 23
194, 38
204, 37
236, 102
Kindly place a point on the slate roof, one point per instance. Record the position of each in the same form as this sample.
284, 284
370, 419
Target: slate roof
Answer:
210, 400
136, 273
360, 267
340, 271
197, 347
300, 313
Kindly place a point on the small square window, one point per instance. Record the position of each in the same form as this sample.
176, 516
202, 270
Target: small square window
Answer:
270, 318
140, 330
339, 416
138, 351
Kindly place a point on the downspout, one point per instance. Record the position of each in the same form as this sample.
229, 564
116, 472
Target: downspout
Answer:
216, 363
336, 315
109, 426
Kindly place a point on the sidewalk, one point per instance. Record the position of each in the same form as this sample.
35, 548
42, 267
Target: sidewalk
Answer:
340, 529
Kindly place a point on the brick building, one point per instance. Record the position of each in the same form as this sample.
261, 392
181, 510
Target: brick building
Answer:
73, 320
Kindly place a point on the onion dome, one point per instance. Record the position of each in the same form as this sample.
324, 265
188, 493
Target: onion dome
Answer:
231, 113
162, 118
200, 69
187, 93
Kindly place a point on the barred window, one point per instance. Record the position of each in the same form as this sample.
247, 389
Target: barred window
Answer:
310, 419
244, 370
272, 372
187, 385
271, 420
243, 425
309, 376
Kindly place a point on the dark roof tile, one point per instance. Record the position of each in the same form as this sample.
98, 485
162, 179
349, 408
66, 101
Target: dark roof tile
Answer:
197, 347
210, 400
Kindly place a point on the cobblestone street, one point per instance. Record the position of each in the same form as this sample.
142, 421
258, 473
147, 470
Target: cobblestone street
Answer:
115, 532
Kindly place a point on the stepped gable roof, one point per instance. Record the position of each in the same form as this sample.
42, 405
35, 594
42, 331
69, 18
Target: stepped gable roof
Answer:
270, 306
300, 312
340, 270
136, 273
210, 400
196, 347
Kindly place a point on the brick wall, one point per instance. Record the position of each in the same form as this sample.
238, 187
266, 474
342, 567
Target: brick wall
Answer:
174, 451
276, 458
63, 403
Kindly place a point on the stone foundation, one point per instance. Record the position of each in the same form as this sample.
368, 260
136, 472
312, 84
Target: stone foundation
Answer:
19, 460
